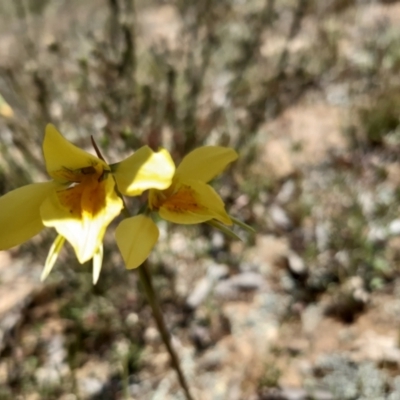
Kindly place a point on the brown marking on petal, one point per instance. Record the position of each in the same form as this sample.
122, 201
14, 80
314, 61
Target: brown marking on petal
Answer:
88, 170
156, 198
94, 197
71, 200
77, 175
182, 200
88, 195
67, 175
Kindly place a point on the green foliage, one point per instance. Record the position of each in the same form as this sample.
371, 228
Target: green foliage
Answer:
382, 118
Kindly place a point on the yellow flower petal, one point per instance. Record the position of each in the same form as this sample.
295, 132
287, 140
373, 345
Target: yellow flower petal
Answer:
135, 238
97, 263
193, 202
20, 216
144, 170
84, 223
52, 256
205, 163
60, 154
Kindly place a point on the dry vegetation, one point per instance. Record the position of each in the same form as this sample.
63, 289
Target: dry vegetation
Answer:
308, 92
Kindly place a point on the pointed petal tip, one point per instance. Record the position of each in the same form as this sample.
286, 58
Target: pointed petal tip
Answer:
243, 225
97, 264
59, 153
218, 225
52, 256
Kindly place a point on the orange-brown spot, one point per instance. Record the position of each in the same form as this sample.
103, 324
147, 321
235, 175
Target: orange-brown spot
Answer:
88, 196
182, 200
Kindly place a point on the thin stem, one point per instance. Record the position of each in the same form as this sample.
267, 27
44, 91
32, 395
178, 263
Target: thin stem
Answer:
146, 280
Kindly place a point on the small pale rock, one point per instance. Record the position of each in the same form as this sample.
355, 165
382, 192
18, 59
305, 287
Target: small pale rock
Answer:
16, 295
377, 234
132, 319
178, 243
151, 335
212, 359
287, 192
343, 258
355, 286
367, 202
270, 249
56, 351
199, 293
90, 386
217, 271
122, 347
48, 376
248, 281
225, 290
322, 235
33, 396
279, 217
296, 263
92, 377
311, 317
394, 227
5, 260
259, 211
378, 348
160, 361
69, 396
294, 394
322, 395
277, 159
217, 240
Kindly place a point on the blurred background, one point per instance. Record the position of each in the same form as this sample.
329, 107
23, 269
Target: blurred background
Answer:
307, 92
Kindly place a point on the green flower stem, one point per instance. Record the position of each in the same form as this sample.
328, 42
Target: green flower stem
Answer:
146, 280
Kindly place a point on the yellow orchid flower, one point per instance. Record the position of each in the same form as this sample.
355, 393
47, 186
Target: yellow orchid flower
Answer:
80, 201
188, 200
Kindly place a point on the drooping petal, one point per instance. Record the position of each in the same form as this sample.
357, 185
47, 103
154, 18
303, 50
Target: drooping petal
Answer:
194, 202
61, 155
135, 238
143, 170
20, 213
205, 163
83, 224
97, 263
52, 256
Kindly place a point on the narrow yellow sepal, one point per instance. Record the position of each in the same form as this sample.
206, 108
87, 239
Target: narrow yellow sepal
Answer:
97, 263
244, 226
216, 224
52, 256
